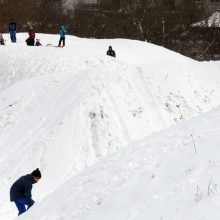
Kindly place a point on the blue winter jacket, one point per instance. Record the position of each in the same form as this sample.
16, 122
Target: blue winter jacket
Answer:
63, 31
12, 26
22, 189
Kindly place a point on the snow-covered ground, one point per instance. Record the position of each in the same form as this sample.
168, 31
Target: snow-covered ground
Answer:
64, 109
173, 175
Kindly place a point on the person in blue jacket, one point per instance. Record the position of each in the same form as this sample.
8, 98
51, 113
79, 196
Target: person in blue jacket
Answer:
12, 28
63, 33
20, 192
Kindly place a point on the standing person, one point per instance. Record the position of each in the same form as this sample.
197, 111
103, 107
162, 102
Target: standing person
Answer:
31, 40
12, 28
2, 41
63, 33
111, 52
20, 192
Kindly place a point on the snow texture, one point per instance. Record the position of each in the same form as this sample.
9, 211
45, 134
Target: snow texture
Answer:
130, 138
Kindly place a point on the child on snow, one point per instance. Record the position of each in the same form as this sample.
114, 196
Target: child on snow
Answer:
20, 192
63, 33
12, 28
38, 43
31, 40
111, 52
2, 41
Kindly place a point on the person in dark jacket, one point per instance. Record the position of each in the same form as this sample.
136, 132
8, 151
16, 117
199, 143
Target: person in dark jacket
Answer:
31, 39
63, 33
12, 28
20, 192
38, 43
2, 41
111, 52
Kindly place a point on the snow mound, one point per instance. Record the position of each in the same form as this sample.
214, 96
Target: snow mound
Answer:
63, 109
171, 175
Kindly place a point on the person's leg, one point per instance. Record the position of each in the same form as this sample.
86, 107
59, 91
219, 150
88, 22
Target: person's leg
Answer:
15, 37
60, 41
21, 206
64, 41
11, 36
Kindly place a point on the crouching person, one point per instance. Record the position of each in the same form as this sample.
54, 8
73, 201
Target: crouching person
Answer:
31, 40
111, 52
2, 41
20, 192
38, 43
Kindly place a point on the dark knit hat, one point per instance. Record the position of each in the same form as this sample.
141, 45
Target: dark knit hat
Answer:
36, 173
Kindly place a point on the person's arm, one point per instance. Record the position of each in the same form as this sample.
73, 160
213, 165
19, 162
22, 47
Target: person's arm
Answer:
28, 194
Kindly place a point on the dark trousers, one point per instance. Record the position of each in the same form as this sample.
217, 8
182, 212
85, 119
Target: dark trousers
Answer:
62, 39
13, 36
21, 205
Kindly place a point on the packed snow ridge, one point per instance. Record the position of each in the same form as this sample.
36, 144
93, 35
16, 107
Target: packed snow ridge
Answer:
64, 109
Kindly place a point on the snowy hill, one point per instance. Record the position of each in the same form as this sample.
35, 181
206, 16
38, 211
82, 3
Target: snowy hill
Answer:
161, 177
63, 109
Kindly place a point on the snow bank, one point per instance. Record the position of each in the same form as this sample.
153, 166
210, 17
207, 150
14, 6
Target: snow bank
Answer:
63, 109
171, 175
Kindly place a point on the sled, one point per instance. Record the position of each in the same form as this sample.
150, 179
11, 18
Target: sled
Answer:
59, 46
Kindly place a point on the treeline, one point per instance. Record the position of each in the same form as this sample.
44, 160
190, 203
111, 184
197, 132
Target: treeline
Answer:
163, 22
166, 23
43, 15
139, 19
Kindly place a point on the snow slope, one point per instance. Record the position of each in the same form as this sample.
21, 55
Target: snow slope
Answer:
163, 177
63, 109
